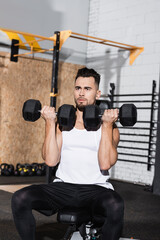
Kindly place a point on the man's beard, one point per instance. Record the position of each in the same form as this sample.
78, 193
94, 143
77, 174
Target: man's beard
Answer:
80, 107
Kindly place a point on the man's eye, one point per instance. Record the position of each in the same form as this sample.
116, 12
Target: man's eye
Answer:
77, 88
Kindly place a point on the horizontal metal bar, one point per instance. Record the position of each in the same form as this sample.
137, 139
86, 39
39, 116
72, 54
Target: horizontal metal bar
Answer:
134, 134
146, 108
130, 154
146, 122
135, 101
134, 141
102, 40
137, 134
137, 148
143, 121
136, 128
133, 161
136, 155
134, 148
138, 94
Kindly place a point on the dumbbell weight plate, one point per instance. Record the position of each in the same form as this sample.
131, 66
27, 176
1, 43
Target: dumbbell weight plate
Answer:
103, 105
128, 115
91, 117
66, 116
31, 110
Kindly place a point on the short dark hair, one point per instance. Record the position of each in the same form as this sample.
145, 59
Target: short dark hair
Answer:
88, 72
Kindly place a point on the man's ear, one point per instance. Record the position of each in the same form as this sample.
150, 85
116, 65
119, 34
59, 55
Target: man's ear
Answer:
98, 94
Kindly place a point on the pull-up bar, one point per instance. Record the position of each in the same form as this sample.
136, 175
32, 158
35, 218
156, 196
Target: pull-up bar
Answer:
32, 40
134, 51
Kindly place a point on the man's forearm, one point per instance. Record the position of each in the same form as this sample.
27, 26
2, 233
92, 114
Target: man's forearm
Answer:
50, 150
107, 154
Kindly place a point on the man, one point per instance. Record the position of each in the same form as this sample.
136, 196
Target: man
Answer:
84, 159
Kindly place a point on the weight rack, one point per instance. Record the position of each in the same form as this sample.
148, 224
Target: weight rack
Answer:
140, 139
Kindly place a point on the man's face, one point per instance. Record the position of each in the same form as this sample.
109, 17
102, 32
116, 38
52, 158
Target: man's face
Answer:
85, 92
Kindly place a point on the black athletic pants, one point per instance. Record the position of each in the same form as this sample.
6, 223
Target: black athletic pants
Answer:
102, 202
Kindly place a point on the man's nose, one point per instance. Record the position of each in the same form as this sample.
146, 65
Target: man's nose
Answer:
81, 93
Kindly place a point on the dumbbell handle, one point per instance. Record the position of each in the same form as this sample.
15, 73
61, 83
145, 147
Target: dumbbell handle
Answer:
100, 115
55, 112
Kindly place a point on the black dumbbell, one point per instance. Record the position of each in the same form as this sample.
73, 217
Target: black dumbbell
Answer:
7, 169
92, 116
4, 169
66, 113
24, 169
34, 167
41, 170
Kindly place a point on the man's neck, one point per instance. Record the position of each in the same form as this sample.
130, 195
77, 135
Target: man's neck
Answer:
79, 120
79, 115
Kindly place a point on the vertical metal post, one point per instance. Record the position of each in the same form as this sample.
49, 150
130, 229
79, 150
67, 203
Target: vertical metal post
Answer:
54, 89
156, 181
151, 125
112, 85
54, 82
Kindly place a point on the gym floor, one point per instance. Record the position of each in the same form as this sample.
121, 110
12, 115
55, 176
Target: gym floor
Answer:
141, 220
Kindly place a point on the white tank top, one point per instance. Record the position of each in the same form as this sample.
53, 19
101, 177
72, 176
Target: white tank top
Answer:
79, 158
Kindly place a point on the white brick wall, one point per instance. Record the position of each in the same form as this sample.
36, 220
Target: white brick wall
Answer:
132, 22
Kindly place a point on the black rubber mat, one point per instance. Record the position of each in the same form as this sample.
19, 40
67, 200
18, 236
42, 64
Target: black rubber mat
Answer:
141, 220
